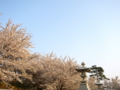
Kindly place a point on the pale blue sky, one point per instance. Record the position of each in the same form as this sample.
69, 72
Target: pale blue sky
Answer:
87, 30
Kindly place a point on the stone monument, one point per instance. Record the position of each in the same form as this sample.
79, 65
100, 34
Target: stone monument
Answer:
99, 84
83, 70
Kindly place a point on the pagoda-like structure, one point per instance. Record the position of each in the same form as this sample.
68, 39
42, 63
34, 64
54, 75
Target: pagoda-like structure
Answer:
83, 70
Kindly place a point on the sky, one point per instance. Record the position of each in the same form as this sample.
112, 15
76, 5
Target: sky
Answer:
86, 30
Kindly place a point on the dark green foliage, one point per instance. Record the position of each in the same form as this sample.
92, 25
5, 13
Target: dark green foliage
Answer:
98, 72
